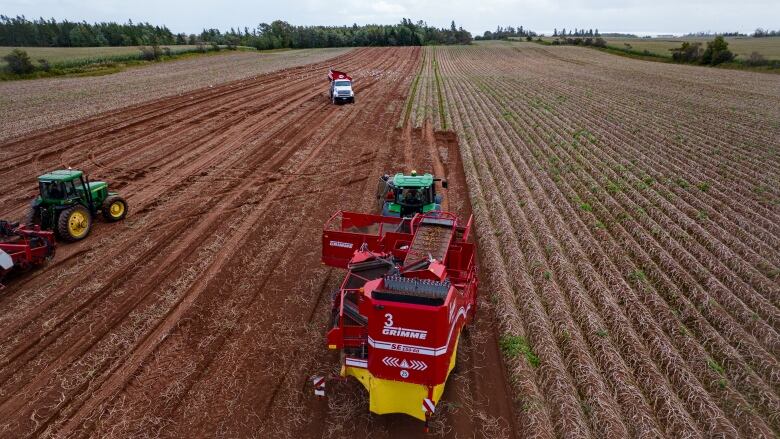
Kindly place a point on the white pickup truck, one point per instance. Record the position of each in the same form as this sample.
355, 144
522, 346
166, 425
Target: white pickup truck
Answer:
340, 89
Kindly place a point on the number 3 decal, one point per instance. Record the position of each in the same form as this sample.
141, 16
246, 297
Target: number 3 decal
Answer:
389, 321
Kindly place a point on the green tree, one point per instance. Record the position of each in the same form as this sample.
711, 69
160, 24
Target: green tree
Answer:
19, 62
79, 37
688, 52
717, 52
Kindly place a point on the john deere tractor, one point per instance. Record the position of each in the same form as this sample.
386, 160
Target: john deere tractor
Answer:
68, 202
405, 195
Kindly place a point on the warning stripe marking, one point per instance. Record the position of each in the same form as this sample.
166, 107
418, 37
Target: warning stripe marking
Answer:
319, 385
428, 406
403, 364
356, 362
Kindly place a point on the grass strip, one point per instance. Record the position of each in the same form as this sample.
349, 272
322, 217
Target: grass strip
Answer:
413, 92
442, 114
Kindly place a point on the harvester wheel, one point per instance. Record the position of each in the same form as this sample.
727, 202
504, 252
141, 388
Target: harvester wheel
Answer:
74, 223
114, 208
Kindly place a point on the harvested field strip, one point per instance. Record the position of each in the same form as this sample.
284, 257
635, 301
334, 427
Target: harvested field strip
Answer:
205, 311
197, 231
42, 104
640, 266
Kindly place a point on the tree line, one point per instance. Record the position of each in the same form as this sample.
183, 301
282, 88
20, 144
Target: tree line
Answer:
760, 33
576, 33
19, 31
281, 34
714, 34
503, 33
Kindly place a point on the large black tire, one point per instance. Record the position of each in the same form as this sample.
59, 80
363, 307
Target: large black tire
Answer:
33, 216
74, 223
114, 208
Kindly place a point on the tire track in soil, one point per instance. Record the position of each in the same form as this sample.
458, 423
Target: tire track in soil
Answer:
118, 380
113, 138
194, 169
193, 241
207, 313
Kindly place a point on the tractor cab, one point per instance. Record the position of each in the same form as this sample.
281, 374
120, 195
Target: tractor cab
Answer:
406, 195
68, 201
66, 187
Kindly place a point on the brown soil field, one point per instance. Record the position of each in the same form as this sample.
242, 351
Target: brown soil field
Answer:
204, 313
628, 215
27, 106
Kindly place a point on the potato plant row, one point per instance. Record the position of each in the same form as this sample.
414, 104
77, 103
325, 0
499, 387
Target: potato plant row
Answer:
628, 216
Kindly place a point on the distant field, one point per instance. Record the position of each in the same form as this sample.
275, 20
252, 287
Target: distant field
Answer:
60, 54
32, 105
742, 46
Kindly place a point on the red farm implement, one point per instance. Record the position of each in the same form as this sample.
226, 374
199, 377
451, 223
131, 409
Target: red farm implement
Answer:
23, 247
410, 289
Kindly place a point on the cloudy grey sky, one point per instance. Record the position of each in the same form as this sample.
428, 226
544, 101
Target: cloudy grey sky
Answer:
640, 16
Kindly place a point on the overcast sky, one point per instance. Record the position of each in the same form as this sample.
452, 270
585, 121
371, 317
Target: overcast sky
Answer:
638, 16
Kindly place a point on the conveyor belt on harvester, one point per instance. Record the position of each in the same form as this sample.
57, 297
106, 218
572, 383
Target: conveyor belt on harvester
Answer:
432, 238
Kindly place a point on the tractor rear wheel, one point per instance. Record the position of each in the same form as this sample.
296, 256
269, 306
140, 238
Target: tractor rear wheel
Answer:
114, 208
74, 223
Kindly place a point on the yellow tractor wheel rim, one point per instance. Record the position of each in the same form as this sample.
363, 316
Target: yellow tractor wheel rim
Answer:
78, 224
117, 209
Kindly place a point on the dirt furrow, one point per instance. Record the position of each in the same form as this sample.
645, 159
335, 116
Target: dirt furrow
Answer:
210, 298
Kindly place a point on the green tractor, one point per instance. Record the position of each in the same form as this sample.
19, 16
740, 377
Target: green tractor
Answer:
406, 195
68, 202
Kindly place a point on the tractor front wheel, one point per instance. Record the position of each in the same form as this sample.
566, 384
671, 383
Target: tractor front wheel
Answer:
114, 208
74, 223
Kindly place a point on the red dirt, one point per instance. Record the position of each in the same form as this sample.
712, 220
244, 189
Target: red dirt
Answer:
204, 312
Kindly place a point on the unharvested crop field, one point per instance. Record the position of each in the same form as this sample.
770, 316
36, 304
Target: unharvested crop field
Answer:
627, 220
59, 54
742, 46
628, 215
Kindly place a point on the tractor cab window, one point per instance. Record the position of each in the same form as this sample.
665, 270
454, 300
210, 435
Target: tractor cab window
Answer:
52, 189
70, 189
415, 196
341, 83
57, 190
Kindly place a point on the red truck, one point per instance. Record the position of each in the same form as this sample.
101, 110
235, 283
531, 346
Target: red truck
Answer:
340, 89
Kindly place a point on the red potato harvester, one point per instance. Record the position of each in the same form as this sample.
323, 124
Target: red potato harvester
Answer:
23, 247
410, 288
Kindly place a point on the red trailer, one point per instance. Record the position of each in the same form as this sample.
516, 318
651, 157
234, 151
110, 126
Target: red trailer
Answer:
340, 87
335, 74
410, 288
23, 247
